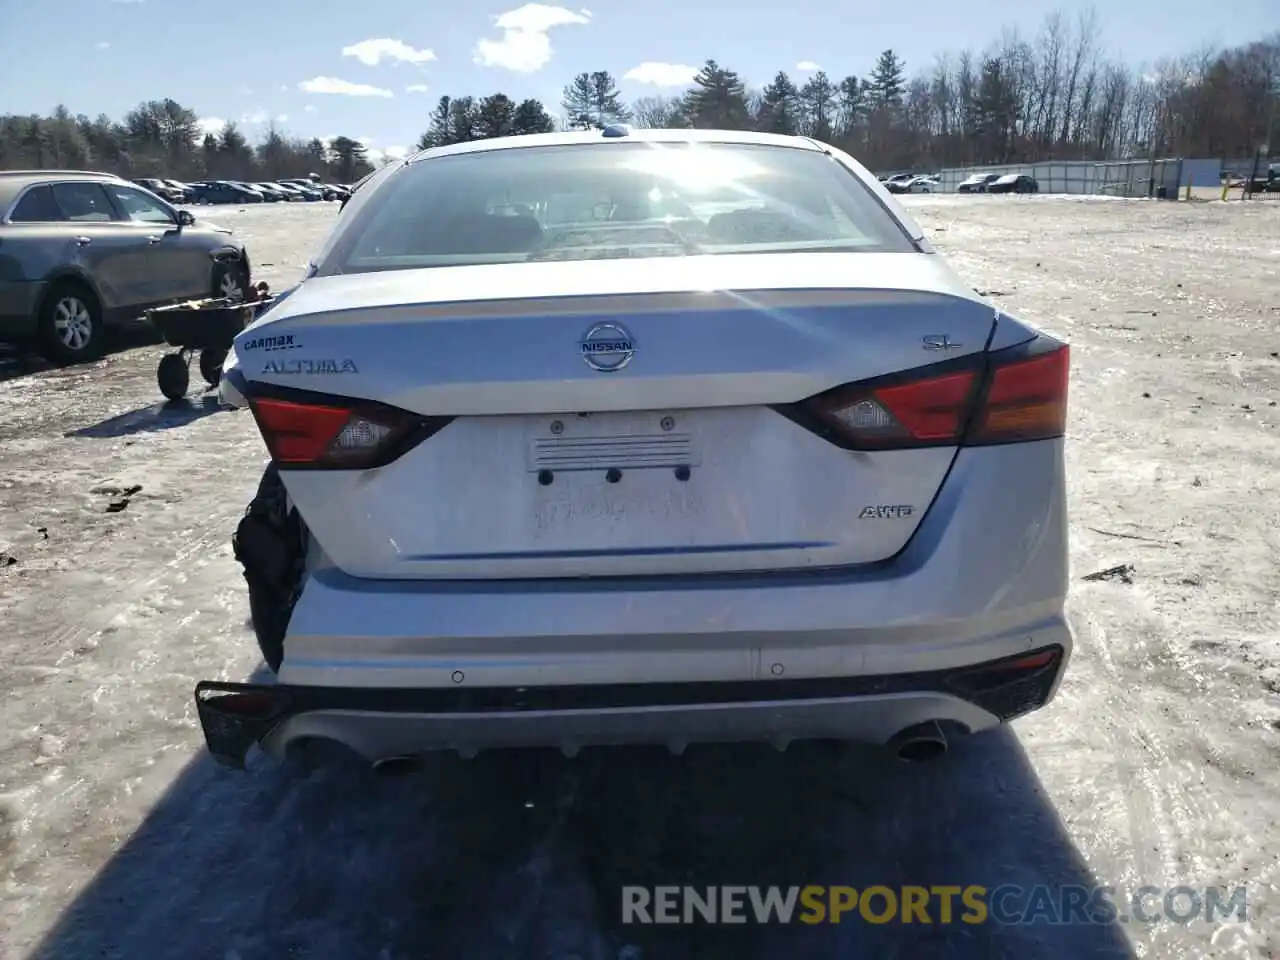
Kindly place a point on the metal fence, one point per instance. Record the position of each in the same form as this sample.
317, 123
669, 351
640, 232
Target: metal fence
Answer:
1054, 176
1164, 177
1121, 178
1140, 178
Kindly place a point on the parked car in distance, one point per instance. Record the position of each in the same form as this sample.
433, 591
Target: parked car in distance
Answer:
290, 192
1267, 181
271, 192
921, 185
224, 191
309, 189
81, 252
977, 183
160, 189
183, 188
1014, 183
252, 188
188, 195
898, 182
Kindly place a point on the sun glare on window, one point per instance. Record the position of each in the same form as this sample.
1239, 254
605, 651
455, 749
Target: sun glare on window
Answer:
693, 169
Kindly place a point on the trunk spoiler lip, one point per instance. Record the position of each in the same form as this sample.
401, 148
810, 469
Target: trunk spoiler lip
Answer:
592, 306
398, 294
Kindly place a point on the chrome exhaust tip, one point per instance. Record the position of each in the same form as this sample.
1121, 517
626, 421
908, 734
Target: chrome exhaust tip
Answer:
919, 743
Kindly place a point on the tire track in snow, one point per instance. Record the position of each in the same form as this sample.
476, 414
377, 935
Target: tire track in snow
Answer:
1167, 823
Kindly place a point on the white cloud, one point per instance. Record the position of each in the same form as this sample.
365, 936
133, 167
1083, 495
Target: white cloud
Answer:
807, 66
586, 13
343, 88
283, 118
655, 74
210, 124
380, 155
373, 52
373, 153
525, 46
258, 116
310, 108
416, 88
102, 45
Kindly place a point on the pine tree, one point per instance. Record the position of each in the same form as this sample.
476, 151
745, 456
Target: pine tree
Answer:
593, 100
350, 159
440, 126
495, 116
819, 97
462, 120
718, 99
779, 106
531, 117
887, 81
852, 104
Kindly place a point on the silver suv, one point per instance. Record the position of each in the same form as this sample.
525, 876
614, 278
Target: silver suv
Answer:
83, 251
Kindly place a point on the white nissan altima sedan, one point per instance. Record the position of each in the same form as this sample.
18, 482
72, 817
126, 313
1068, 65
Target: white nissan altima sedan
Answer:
644, 436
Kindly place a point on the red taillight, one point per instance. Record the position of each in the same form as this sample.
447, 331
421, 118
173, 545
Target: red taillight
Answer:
922, 412
298, 432
1022, 395
1035, 661
331, 435
1026, 400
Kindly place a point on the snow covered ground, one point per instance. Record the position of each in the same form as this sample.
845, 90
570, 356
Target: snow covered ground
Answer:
1156, 764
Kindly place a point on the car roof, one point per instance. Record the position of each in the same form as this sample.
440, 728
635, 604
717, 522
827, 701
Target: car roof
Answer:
14, 182
743, 137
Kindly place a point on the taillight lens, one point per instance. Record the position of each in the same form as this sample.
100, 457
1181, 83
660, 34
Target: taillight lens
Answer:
337, 435
1025, 400
924, 412
1020, 394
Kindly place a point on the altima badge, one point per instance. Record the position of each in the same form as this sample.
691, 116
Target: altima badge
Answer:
940, 341
607, 347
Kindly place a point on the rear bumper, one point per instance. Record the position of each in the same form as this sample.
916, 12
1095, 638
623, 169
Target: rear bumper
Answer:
856, 654
389, 722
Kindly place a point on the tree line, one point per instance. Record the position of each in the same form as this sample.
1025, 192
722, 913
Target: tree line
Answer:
162, 138
1055, 95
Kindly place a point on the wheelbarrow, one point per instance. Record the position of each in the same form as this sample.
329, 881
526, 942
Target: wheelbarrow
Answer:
206, 327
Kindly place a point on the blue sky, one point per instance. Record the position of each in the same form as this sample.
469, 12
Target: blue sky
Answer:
374, 73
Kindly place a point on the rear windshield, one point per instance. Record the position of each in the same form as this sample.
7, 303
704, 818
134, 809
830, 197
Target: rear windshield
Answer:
612, 201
